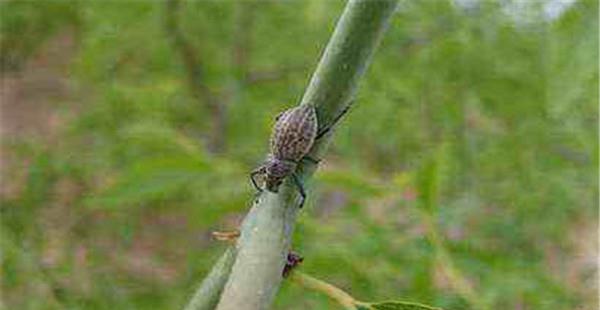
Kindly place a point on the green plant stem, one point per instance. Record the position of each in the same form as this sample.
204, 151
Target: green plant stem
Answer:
207, 295
456, 279
331, 291
267, 229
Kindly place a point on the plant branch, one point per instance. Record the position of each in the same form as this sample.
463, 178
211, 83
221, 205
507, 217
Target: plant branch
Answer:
346, 300
330, 290
255, 77
188, 54
266, 232
207, 295
195, 75
456, 279
242, 38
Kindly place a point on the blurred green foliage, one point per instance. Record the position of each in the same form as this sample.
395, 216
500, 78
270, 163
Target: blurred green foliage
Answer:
465, 176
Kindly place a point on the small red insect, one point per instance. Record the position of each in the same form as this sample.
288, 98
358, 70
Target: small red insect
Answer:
294, 134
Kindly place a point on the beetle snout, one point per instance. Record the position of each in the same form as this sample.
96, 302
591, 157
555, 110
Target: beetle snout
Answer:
272, 184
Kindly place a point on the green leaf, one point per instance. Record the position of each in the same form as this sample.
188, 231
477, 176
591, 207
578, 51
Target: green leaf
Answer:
353, 182
151, 179
396, 305
430, 177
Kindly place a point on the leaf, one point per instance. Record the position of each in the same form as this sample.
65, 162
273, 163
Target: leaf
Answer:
430, 178
153, 178
353, 182
152, 136
395, 305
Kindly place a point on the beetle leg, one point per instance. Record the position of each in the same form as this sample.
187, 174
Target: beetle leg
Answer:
253, 174
311, 160
300, 189
325, 130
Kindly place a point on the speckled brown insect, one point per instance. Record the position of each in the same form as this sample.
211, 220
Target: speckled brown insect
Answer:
294, 133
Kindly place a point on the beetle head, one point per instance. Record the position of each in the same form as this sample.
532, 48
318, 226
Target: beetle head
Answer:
277, 170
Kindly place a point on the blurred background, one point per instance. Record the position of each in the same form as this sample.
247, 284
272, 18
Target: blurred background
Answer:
465, 176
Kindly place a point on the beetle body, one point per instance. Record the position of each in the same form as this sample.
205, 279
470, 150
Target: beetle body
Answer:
294, 133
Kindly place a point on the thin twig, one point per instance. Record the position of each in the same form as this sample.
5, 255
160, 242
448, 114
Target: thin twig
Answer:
255, 77
330, 290
242, 38
195, 75
455, 277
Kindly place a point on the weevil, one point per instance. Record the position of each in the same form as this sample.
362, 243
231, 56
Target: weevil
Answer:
293, 135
